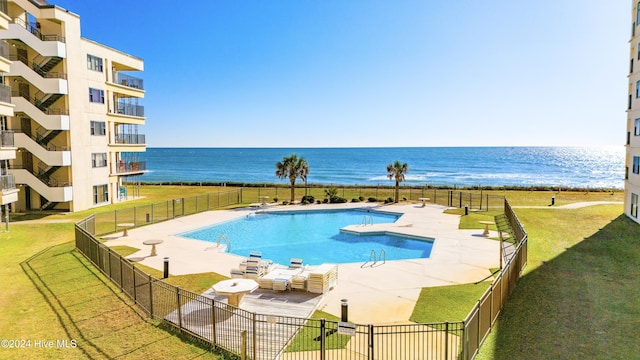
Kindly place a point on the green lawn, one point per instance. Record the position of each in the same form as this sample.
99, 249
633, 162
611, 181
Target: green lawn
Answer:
576, 299
578, 296
50, 292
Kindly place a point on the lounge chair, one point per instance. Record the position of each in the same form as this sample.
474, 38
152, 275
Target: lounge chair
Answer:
237, 273
278, 278
295, 263
253, 272
299, 281
281, 284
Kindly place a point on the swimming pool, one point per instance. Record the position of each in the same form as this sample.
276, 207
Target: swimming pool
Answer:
314, 236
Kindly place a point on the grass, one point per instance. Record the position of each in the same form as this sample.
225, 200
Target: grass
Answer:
578, 295
576, 298
51, 292
447, 303
308, 339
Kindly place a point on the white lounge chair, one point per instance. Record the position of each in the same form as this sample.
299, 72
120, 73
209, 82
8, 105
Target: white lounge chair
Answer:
295, 263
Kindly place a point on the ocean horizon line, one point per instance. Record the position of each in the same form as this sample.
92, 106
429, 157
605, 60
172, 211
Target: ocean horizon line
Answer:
385, 147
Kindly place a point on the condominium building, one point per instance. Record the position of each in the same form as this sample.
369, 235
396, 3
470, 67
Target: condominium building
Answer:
76, 115
632, 161
8, 190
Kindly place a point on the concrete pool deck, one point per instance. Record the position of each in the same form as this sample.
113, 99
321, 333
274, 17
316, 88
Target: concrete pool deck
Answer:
380, 294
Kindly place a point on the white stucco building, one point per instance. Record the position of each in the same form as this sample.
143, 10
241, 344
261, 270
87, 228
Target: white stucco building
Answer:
77, 113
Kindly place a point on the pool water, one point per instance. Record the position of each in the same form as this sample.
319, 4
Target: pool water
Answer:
314, 236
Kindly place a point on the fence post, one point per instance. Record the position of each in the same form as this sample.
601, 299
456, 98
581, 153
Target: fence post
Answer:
213, 321
254, 339
179, 308
150, 295
446, 340
323, 339
182, 200
135, 293
120, 265
243, 345
371, 339
134, 216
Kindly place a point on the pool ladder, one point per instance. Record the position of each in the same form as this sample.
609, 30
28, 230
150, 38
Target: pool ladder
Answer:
376, 259
364, 220
223, 238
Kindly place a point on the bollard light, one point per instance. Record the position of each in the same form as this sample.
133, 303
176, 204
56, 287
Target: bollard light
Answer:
166, 267
345, 310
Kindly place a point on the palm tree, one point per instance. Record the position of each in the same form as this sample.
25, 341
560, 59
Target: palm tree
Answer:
397, 171
292, 167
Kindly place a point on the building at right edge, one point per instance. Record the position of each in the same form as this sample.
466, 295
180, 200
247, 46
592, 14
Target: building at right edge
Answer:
632, 160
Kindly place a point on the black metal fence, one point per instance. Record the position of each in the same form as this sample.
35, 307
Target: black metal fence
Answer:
445, 197
107, 223
267, 336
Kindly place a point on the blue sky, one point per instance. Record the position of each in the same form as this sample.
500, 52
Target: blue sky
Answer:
342, 73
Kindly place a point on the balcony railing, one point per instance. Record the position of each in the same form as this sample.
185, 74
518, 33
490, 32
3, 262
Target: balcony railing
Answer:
4, 7
5, 93
33, 28
6, 138
7, 182
127, 167
5, 49
128, 81
35, 67
130, 139
130, 110
37, 102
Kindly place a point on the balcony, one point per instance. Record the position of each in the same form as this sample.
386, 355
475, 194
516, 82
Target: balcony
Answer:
128, 81
45, 45
8, 190
7, 138
130, 110
131, 167
40, 69
33, 29
5, 93
7, 182
7, 145
130, 139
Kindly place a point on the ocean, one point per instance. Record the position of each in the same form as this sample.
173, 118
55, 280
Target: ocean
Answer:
576, 167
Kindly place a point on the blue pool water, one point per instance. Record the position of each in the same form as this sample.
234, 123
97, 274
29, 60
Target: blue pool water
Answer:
314, 236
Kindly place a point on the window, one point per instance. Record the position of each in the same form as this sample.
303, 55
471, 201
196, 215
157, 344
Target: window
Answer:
634, 205
100, 194
636, 127
99, 160
94, 63
636, 164
96, 95
98, 128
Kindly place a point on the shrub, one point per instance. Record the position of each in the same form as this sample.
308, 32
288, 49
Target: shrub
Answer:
285, 202
308, 199
355, 200
337, 200
275, 199
361, 198
372, 199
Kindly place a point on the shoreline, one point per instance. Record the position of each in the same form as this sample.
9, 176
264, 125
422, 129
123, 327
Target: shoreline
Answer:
438, 187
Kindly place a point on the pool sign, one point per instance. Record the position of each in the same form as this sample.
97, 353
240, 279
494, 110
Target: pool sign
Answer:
346, 328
